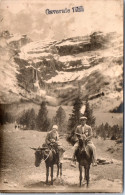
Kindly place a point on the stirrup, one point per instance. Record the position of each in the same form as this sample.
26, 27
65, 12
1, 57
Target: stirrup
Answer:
73, 164
94, 164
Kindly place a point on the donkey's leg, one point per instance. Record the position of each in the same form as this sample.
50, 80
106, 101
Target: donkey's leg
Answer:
84, 179
80, 176
87, 175
47, 173
60, 169
85, 168
57, 170
52, 175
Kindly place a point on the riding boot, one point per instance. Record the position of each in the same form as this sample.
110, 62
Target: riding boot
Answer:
59, 157
60, 154
73, 163
94, 160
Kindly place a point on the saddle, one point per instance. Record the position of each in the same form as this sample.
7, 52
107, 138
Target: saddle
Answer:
52, 146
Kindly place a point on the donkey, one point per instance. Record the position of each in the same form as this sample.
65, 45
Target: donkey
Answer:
50, 157
84, 155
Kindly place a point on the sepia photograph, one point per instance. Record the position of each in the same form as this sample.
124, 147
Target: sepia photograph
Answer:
61, 96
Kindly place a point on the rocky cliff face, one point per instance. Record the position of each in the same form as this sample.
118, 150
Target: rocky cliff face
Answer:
91, 65
9, 48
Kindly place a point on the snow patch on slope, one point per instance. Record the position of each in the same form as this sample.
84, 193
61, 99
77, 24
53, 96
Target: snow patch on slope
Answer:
15, 37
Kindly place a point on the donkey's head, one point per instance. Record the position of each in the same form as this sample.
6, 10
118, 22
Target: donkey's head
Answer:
82, 142
38, 155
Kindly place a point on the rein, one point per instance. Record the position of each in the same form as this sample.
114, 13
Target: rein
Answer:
47, 156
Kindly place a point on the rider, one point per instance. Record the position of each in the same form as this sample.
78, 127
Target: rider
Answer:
52, 139
85, 130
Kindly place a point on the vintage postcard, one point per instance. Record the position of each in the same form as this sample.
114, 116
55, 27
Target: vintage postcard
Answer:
61, 96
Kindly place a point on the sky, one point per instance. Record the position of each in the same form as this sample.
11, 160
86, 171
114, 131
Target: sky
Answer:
29, 17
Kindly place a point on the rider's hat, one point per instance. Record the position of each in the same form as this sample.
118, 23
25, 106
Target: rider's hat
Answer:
83, 118
55, 127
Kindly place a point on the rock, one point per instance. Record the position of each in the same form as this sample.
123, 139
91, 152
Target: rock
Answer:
101, 160
105, 163
5, 181
111, 161
57, 58
111, 179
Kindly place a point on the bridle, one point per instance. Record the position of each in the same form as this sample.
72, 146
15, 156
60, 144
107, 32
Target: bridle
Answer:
46, 157
82, 144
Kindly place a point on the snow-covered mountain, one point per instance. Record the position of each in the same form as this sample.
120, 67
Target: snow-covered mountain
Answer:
57, 71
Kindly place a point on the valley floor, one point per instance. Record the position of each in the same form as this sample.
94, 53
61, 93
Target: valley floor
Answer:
19, 174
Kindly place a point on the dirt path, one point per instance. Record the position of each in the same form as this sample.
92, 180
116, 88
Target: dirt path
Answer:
19, 173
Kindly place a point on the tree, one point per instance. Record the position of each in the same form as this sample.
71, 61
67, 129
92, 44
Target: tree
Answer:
76, 114
43, 122
60, 118
89, 114
27, 118
107, 130
32, 119
24, 118
120, 132
115, 132
5, 116
74, 119
103, 131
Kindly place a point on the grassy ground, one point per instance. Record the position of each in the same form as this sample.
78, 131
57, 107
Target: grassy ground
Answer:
19, 173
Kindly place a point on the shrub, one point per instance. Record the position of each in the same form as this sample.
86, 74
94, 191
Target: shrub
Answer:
106, 131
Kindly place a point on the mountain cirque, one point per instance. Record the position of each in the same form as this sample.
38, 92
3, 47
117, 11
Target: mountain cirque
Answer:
57, 71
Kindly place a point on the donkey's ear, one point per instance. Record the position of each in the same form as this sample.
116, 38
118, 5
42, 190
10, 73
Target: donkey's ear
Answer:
43, 148
33, 148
